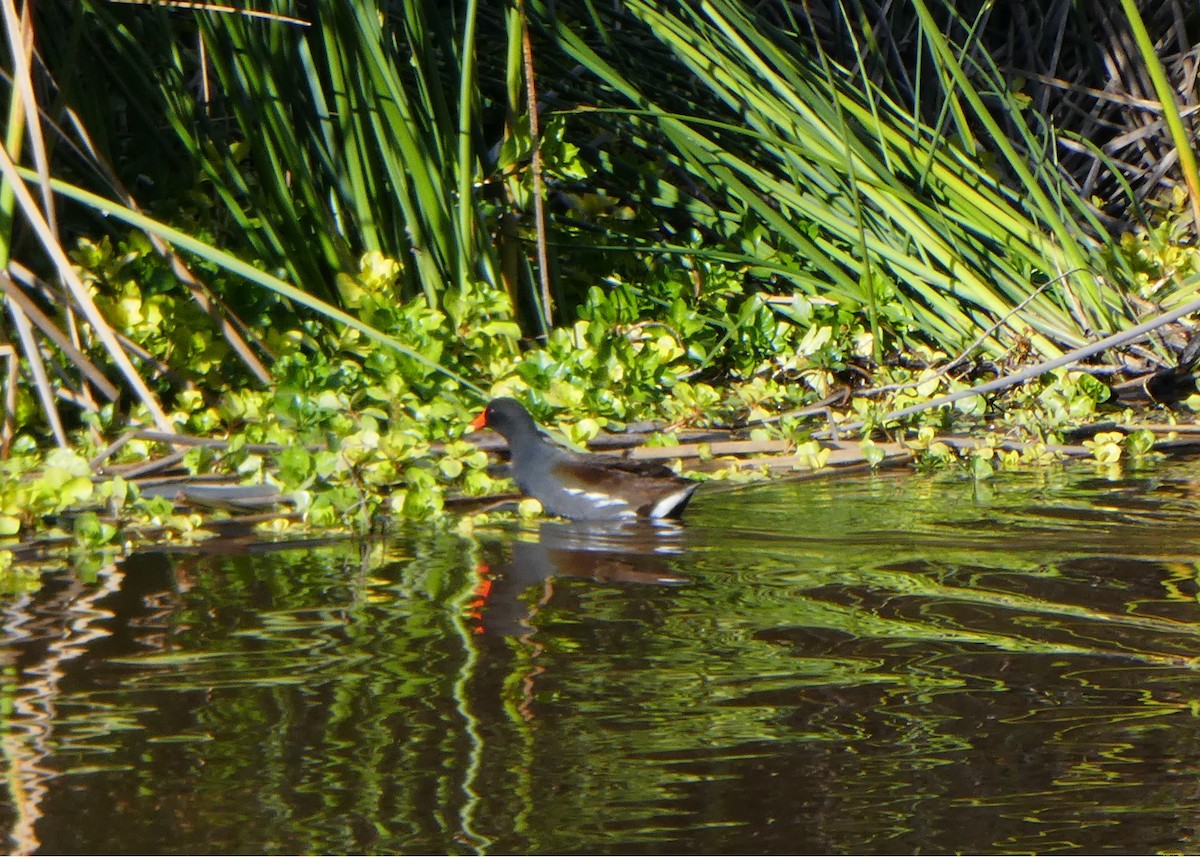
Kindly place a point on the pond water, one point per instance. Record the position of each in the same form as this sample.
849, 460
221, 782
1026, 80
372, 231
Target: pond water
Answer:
888, 664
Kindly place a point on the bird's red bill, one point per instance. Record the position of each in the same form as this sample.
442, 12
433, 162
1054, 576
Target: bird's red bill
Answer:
480, 421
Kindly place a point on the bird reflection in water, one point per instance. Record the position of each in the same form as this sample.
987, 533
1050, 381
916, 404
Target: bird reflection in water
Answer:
638, 552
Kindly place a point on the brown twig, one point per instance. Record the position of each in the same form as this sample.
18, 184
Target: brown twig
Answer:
1028, 373
539, 207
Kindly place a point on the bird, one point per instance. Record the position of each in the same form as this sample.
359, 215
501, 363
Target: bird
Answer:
583, 486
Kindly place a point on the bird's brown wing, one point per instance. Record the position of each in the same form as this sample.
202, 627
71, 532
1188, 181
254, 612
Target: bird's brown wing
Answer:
595, 468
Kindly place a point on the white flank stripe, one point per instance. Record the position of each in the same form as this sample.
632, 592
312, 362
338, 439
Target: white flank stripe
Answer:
602, 500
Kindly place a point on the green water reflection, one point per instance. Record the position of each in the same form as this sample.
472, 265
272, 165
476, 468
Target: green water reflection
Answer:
889, 664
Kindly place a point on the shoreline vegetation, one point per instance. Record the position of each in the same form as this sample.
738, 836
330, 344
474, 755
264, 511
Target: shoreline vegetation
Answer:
261, 268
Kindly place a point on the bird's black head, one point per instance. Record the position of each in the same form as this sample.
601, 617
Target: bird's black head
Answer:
507, 417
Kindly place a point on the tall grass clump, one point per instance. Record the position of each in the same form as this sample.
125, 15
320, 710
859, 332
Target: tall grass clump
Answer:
941, 230
550, 151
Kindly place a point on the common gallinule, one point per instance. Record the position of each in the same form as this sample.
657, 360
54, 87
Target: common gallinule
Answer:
583, 486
